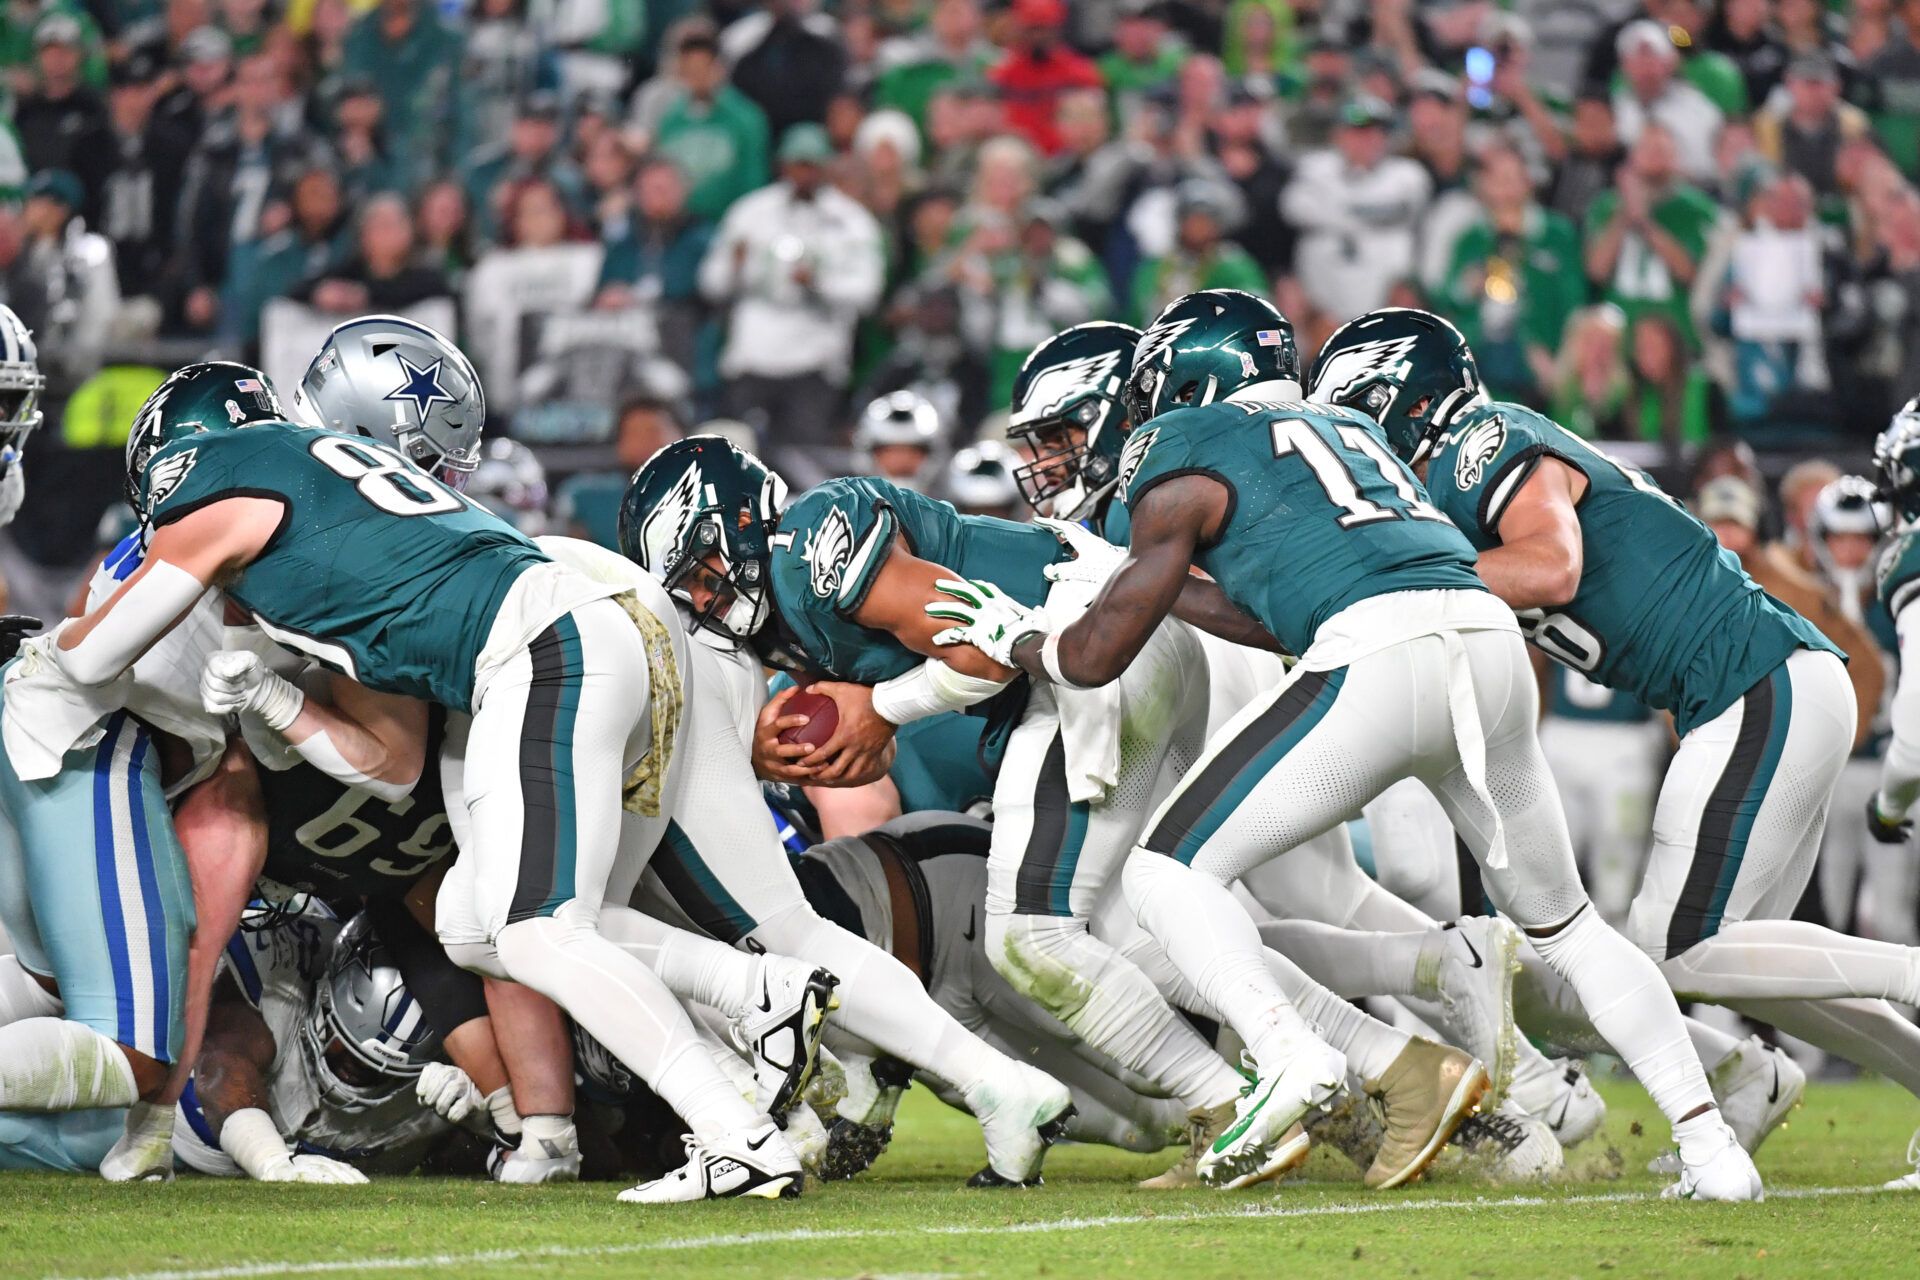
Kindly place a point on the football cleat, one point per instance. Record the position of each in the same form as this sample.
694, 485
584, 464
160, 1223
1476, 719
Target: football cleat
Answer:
1756, 1086
1510, 1145
852, 1148
1203, 1126
536, 1161
1911, 1181
781, 1029
756, 1162
1021, 1112
1474, 976
1557, 1091
873, 1089
1272, 1105
1426, 1093
1350, 1124
1287, 1155
806, 1135
1727, 1174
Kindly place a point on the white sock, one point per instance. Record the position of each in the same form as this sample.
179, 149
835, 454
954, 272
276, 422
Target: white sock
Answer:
548, 1135
1370, 1044
500, 1106
1354, 963
1792, 959
50, 1064
1210, 938
21, 997
1702, 1137
1629, 1004
693, 967
624, 1006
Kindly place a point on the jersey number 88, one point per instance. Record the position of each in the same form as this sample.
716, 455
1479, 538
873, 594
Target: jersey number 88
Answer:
385, 479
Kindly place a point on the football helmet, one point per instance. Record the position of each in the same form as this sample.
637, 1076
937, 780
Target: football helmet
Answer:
21, 383
1204, 347
1070, 386
215, 395
366, 1037
1896, 461
402, 384
699, 497
1408, 370
980, 480
511, 483
1847, 505
901, 418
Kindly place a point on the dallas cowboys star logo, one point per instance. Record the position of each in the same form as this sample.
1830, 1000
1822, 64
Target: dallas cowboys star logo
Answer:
422, 387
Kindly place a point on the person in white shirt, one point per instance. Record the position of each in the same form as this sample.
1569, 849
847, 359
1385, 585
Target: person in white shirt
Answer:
1652, 89
798, 263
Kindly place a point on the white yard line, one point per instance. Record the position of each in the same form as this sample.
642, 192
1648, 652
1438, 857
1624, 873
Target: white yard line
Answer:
806, 1235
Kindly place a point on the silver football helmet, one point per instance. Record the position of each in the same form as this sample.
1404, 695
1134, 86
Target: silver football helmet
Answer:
904, 418
21, 383
366, 1037
402, 384
511, 483
1847, 505
980, 480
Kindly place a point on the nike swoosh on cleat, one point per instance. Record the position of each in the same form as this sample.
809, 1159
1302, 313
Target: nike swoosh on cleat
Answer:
968, 935
766, 999
765, 1138
1470, 951
1773, 1090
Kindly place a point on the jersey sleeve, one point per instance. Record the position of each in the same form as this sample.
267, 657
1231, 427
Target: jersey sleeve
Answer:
1486, 462
188, 474
1899, 575
1160, 451
841, 538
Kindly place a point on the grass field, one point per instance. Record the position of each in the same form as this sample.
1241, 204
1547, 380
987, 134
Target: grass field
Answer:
911, 1218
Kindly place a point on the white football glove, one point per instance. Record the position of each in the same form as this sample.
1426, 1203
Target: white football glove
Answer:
13, 485
451, 1094
318, 1169
988, 619
144, 1152
1094, 558
235, 682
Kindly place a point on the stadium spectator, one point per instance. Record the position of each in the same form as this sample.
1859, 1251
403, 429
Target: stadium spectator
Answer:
1437, 128
588, 504
930, 356
445, 229
1144, 56
1772, 292
886, 164
1645, 237
360, 142
130, 174
710, 129
382, 273
1241, 146
796, 264
63, 114
787, 59
1894, 74
404, 49
503, 59
532, 153
1741, 32
1357, 209
201, 90
913, 67
654, 262
1807, 130
61, 281
1592, 156
1201, 257
1672, 402
1799, 489
1037, 70
1652, 90
1590, 378
280, 263
1311, 111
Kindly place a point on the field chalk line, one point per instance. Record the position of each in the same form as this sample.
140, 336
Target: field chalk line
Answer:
807, 1235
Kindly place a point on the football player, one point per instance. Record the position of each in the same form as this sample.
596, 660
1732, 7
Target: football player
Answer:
1615, 579
1319, 541
896, 438
366, 559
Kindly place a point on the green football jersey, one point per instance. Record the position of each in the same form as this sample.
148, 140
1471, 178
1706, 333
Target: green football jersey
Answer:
1321, 514
833, 540
378, 571
1897, 578
1663, 611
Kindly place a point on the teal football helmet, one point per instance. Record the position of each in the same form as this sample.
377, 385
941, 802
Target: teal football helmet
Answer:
1896, 461
706, 496
1206, 346
1068, 412
1408, 370
217, 395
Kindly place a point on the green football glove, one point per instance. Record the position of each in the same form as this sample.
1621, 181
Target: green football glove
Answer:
987, 619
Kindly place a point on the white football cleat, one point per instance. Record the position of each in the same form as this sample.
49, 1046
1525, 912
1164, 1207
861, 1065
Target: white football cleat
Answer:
757, 1162
1911, 1181
781, 1029
1475, 981
1511, 1145
1022, 1112
537, 1161
1756, 1086
1276, 1102
1727, 1174
806, 1135
1577, 1110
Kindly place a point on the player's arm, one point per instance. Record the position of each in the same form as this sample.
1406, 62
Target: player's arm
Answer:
200, 550
1540, 557
1171, 522
1888, 810
355, 735
1204, 605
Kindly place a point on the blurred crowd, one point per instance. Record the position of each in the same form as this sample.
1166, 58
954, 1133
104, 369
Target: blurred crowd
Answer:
1662, 221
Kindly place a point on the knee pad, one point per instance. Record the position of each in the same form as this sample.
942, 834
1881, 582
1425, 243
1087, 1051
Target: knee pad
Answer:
1047, 959
478, 957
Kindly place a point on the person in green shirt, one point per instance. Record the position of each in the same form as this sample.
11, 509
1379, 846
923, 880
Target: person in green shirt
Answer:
914, 68
1144, 57
1201, 257
1259, 40
404, 49
1514, 278
1672, 401
1590, 380
1645, 237
714, 132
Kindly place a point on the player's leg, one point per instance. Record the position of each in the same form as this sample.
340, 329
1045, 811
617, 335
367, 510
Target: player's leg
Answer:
545, 761
1052, 858
1413, 853
1515, 820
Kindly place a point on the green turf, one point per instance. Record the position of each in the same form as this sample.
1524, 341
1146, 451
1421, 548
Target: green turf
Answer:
910, 1217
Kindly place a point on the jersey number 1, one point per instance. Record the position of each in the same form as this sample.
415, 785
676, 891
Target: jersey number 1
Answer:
385, 479
1297, 437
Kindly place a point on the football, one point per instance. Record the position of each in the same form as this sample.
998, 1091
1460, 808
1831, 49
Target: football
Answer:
823, 717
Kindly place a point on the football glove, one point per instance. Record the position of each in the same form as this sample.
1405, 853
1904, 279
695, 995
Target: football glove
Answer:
988, 619
144, 1152
1883, 829
450, 1093
14, 628
235, 682
1094, 558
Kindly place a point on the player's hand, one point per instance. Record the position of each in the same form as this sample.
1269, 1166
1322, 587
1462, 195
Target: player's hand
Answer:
235, 682
317, 1169
450, 1093
861, 749
144, 1152
1883, 829
987, 619
774, 760
1094, 558
15, 627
